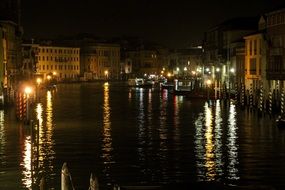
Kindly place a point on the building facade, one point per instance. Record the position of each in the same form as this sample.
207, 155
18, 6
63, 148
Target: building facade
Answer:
10, 58
60, 63
146, 61
222, 43
100, 61
185, 62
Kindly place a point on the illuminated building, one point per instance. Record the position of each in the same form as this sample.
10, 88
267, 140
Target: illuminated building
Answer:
255, 62
62, 63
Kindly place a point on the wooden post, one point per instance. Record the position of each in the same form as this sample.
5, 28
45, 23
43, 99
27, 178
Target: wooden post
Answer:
94, 185
42, 183
66, 182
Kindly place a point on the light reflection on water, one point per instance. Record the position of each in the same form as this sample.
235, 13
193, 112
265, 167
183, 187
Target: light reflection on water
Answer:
142, 131
107, 137
232, 145
2, 140
43, 146
27, 163
209, 144
162, 139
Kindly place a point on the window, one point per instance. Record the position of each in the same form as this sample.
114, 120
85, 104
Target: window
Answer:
255, 47
252, 66
250, 47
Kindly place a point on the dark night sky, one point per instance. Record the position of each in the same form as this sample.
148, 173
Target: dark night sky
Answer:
174, 23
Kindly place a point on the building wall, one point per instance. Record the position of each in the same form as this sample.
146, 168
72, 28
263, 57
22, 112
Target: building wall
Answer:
254, 65
62, 62
108, 61
2, 59
144, 62
100, 61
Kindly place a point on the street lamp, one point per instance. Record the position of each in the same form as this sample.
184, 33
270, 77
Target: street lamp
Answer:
48, 77
39, 81
106, 74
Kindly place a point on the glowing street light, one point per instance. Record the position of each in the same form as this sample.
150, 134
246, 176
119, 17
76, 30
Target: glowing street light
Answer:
106, 72
209, 82
28, 90
49, 77
39, 81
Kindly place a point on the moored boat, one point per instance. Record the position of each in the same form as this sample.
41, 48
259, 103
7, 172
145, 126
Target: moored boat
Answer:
140, 83
168, 86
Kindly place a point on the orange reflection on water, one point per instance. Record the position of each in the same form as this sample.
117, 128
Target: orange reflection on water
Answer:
44, 141
2, 134
107, 137
210, 149
27, 163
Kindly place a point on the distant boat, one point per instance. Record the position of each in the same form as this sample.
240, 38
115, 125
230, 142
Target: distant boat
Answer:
168, 86
181, 87
140, 83
181, 92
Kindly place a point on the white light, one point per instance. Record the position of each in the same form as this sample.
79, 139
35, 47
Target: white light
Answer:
28, 90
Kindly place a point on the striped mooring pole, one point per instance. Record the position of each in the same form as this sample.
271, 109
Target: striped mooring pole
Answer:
242, 95
282, 102
261, 99
251, 97
270, 102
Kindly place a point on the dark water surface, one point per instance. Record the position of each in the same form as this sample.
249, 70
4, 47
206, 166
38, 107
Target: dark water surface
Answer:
131, 136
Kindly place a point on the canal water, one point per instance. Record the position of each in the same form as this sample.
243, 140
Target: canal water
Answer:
133, 136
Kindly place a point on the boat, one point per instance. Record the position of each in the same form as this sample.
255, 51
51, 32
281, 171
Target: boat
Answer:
167, 86
140, 83
280, 121
181, 92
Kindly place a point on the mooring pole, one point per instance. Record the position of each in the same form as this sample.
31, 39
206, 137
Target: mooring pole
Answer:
66, 182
